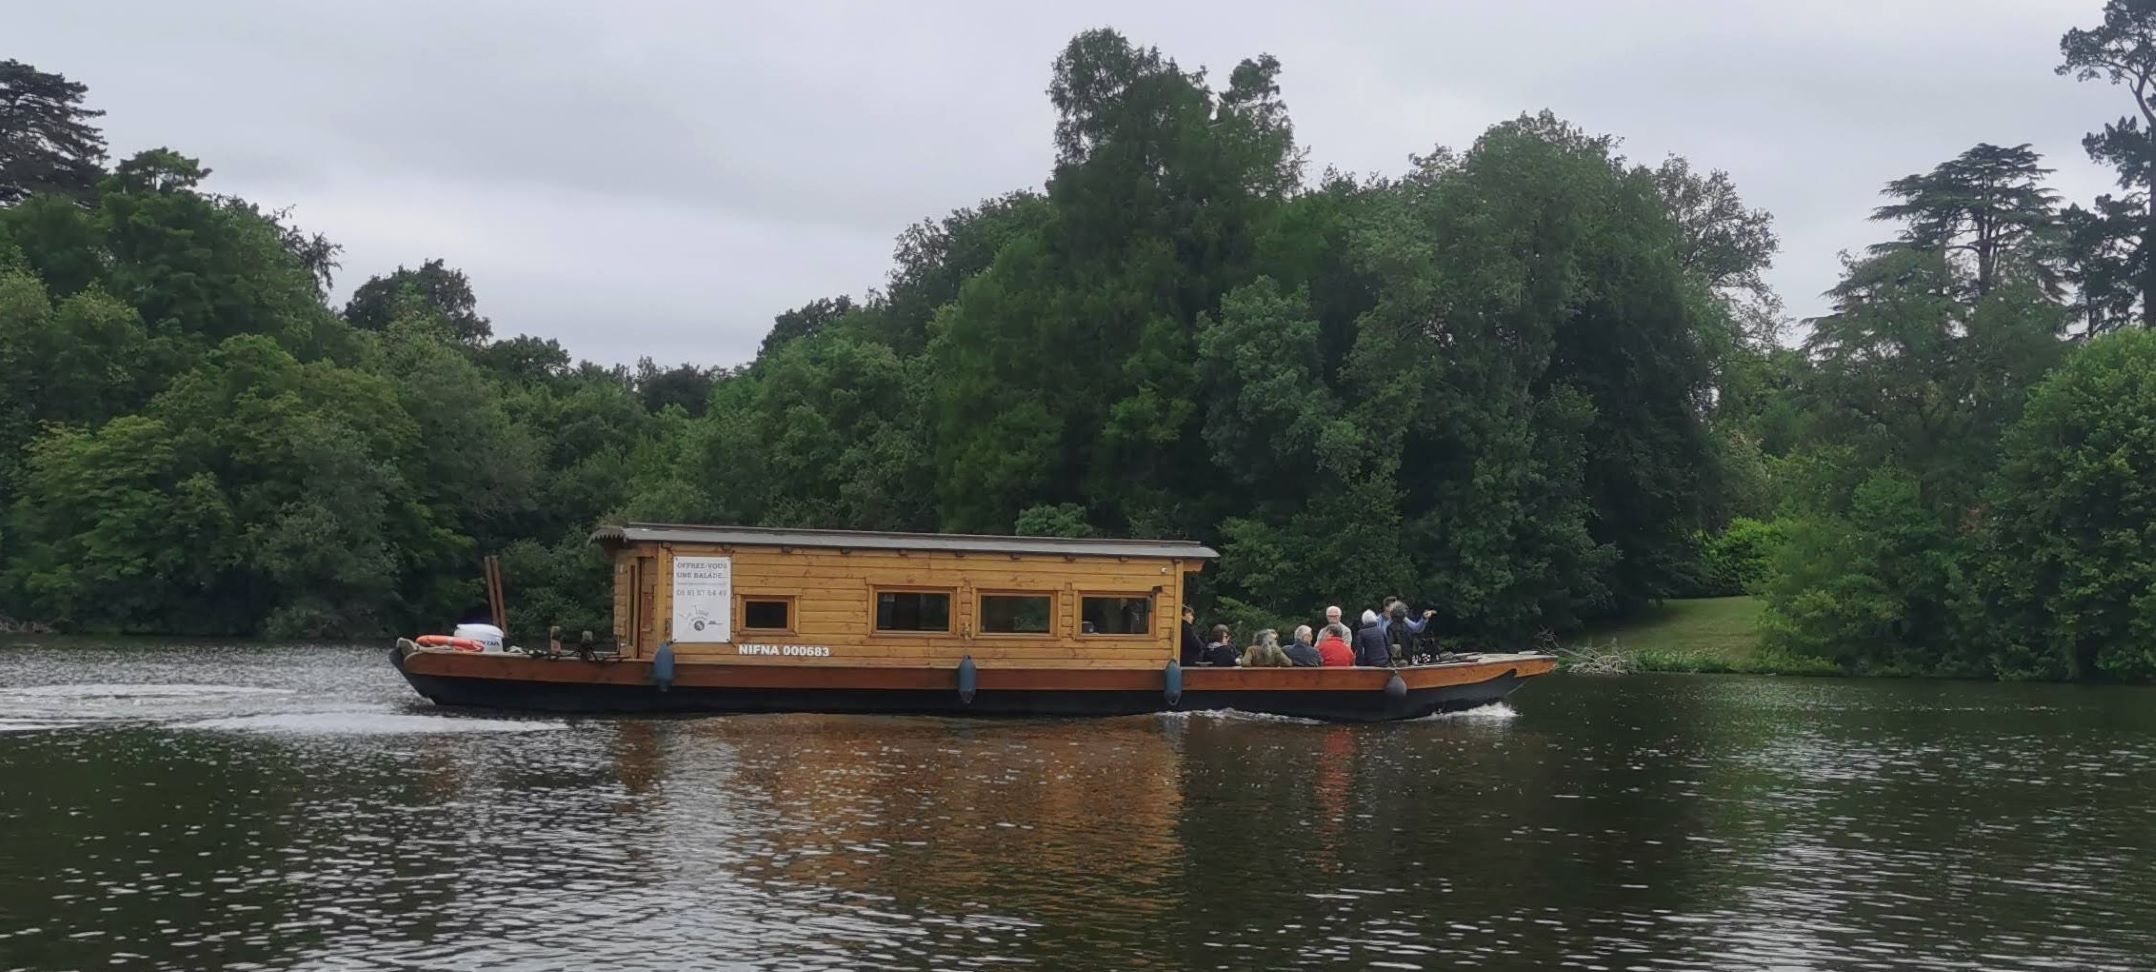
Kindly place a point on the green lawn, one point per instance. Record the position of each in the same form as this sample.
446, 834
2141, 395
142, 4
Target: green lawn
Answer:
1715, 634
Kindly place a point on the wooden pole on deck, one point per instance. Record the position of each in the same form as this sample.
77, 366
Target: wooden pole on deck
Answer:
492, 566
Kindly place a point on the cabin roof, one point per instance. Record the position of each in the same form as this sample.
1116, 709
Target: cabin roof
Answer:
864, 540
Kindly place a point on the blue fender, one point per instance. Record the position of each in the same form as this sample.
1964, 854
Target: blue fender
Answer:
662, 667
969, 680
1171, 682
1396, 687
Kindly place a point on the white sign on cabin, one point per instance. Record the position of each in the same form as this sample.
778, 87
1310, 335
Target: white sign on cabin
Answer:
704, 599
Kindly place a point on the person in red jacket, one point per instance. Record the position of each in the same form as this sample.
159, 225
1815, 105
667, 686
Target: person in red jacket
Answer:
1333, 648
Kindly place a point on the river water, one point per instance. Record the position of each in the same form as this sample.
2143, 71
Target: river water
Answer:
199, 807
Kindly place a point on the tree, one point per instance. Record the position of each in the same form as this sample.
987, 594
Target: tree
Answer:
78, 362
1987, 210
2122, 51
1721, 242
1870, 587
684, 386
1909, 376
47, 143
2063, 582
1538, 338
314, 251
810, 318
60, 241
200, 266
1269, 420
824, 433
2101, 248
1058, 520
112, 533
523, 360
444, 290
934, 258
1064, 369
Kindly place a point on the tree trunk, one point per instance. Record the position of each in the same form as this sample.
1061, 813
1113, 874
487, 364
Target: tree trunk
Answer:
2148, 262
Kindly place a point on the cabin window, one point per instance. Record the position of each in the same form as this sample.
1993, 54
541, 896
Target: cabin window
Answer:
1015, 613
767, 613
913, 611
1112, 614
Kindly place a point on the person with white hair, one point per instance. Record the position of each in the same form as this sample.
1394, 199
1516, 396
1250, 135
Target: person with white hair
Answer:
1371, 646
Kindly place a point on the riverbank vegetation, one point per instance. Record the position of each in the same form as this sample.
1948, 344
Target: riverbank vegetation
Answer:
1719, 635
1530, 382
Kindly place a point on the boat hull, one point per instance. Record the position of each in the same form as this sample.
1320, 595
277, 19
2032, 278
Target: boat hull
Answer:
1343, 695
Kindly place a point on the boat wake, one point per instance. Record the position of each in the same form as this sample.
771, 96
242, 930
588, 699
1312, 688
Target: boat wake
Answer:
369, 724
1238, 715
1494, 712
49, 693
33, 708
34, 725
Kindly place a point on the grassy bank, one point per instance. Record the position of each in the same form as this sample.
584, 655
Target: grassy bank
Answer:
1716, 634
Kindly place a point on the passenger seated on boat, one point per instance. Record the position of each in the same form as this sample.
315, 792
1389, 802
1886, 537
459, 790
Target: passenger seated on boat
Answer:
1302, 652
1266, 653
1370, 644
1221, 653
1334, 649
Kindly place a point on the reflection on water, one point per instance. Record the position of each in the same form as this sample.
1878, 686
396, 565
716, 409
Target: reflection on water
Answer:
204, 807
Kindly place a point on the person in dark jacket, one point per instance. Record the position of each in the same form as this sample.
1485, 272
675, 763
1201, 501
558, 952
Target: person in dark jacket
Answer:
1404, 629
1399, 637
1193, 646
1302, 652
1371, 647
1221, 653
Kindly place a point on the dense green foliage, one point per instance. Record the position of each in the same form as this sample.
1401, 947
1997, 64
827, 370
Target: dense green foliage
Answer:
1739, 559
1531, 384
2062, 581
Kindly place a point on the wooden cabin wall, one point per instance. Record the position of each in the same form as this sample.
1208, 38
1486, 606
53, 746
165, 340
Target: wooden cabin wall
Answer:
834, 606
624, 607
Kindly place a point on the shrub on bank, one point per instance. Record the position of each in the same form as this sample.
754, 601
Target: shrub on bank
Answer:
2061, 581
1739, 559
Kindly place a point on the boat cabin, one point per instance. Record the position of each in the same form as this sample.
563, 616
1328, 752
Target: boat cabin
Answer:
763, 596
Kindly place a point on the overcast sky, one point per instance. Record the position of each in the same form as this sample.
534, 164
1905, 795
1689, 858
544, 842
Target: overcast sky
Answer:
661, 178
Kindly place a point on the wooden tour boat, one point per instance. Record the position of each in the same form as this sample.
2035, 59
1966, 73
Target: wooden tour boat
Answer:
742, 619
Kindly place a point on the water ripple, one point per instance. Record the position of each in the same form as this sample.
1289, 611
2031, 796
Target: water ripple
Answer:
243, 807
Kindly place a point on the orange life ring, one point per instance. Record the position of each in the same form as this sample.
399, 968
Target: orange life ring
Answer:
445, 641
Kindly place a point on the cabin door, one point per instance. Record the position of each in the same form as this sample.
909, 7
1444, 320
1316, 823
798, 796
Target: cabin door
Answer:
647, 606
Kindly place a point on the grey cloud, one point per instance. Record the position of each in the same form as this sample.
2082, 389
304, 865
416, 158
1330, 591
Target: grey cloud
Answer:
652, 178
